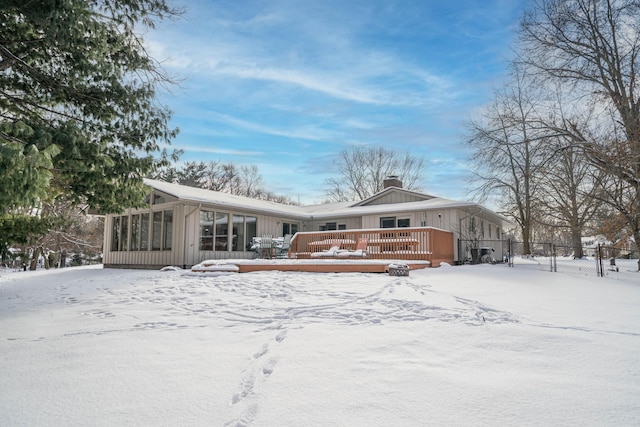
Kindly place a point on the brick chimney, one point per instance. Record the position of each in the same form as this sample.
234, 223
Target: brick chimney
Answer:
392, 181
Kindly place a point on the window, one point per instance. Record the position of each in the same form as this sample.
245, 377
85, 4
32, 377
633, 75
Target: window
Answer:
404, 222
124, 233
206, 230
135, 232
214, 231
289, 228
144, 232
238, 243
388, 222
331, 226
156, 231
251, 223
342, 226
222, 227
157, 199
167, 230
115, 233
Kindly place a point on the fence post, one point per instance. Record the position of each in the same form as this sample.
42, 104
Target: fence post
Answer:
599, 266
554, 259
510, 251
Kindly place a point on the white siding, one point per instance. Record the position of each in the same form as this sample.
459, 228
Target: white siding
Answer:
396, 197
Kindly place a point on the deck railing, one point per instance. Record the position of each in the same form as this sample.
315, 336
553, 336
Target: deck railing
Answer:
417, 243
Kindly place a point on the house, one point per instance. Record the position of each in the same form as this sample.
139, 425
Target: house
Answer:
185, 225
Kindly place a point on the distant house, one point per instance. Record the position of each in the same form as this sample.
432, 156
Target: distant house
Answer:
185, 225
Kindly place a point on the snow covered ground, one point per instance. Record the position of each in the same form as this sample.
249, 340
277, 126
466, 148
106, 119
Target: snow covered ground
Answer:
471, 345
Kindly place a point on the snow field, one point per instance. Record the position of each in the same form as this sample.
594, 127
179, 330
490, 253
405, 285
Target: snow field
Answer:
469, 345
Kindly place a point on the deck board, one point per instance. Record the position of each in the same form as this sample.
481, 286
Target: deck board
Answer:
320, 266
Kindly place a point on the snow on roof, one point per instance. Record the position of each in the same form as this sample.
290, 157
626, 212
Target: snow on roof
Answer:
201, 195
328, 210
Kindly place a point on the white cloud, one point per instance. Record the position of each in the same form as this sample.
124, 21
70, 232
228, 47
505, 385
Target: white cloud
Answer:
216, 150
306, 133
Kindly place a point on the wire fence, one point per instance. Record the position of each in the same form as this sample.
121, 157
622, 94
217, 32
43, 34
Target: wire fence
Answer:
600, 260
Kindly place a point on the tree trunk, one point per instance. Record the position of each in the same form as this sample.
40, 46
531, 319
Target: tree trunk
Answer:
34, 261
636, 237
526, 239
576, 238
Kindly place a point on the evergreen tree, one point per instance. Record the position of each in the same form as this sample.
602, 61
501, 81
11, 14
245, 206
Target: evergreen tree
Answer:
78, 107
78, 111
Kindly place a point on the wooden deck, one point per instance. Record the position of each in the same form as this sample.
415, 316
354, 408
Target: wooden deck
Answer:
417, 247
309, 266
410, 243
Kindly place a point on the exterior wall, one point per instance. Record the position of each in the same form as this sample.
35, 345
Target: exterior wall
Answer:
474, 231
185, 250
140, 258
396, 197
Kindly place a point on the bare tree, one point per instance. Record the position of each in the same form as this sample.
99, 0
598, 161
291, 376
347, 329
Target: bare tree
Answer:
363, 169
243, 180
593, 46
508, 153
569, 198
569, 192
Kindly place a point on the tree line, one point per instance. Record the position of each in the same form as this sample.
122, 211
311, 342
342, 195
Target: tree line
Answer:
241, 180
559, 145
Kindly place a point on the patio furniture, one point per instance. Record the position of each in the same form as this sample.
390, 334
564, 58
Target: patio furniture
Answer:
360, 251
332, 251
266, 246
282, 250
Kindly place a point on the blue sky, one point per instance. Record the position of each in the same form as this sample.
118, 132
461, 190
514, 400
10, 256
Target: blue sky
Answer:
287, 84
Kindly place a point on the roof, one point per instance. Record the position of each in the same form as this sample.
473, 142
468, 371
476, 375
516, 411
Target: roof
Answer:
200, 195
322, 211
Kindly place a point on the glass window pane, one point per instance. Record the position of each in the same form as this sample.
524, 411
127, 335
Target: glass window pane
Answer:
294, 228
251, 227
135, 232
156, 234
124, 233
206, 230
404, 222
222, 227
115, 233
144, 232
388, 222
167, 228
238, 233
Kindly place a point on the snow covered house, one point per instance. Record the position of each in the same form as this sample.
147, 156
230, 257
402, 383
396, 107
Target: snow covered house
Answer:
184, 225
